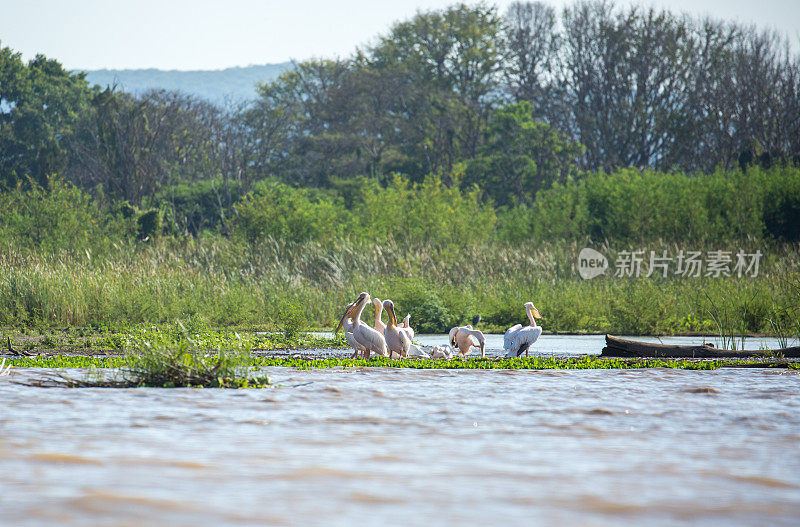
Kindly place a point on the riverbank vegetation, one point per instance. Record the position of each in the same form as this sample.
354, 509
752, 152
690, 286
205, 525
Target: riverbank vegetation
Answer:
521, 363
176, 366
114, 341
220, 283
456, 179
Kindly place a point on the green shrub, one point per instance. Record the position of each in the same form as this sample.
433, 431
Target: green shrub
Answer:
148, 224
200, 205
428, 312
126, 210
428, 212
283, 212
782, 203
630, 205
60, 216
292, 321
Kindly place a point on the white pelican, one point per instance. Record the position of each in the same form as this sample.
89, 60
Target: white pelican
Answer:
379, 325
518, 339
406, 324
453, 332
466, 337
441, 352
406, 327
416, 351
347, 325
366, 336
403, 326
397, 340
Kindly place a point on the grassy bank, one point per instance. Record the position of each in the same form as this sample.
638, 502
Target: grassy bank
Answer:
116, 342
275, 285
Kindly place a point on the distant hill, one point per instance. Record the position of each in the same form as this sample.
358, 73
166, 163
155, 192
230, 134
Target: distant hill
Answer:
217, 86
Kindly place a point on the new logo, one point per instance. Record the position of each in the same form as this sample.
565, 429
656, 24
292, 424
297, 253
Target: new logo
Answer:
591, 263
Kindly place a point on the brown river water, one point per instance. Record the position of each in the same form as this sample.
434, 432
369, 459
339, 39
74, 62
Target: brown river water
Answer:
411, 447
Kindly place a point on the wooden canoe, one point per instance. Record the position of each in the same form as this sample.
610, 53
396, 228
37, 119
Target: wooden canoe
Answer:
617, 347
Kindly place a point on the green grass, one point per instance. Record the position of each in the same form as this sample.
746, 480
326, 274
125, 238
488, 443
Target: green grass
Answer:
67, 361
185, 367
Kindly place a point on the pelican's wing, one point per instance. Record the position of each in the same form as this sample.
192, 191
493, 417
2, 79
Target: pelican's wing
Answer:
352, 341
453, 333
523, 338
535, 333
475, 337
508, 337
398, 340
405, 342
370, 339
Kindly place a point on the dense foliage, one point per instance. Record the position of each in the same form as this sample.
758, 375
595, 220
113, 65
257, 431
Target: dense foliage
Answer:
646, 205
513, 102
471, 363
627, 206
458, 164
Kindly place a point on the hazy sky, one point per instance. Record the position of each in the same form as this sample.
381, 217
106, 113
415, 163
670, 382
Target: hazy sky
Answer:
198, 34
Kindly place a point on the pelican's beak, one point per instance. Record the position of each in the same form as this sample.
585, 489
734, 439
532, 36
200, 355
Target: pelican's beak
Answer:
536, 313
347, 311
392, 316
341, 322
483, 348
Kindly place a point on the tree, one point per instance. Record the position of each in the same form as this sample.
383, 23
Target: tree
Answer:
40, 104
532, 43
449, 62
628, 77
745, 103
522, 156
135, 146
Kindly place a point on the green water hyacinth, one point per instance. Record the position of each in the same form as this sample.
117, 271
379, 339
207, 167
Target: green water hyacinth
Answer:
529, 363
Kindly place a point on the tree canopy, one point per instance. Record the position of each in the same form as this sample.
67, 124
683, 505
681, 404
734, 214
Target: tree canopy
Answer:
511, 103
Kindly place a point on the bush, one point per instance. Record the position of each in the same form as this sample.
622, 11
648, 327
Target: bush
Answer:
283, 212
428, 312
60, 216
292, 321
426, 212
126, 210
148, 224
200, 205
640, 206
782, 204
430, 212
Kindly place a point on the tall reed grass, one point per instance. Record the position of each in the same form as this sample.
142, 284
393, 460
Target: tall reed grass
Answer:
225, 283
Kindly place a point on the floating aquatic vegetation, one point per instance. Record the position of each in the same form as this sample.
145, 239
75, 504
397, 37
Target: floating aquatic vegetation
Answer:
521, 363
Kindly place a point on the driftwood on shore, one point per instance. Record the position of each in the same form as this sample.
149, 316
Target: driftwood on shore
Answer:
18, 353
618, 347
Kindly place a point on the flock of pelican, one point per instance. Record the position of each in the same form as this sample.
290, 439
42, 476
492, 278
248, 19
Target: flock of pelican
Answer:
394, 339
